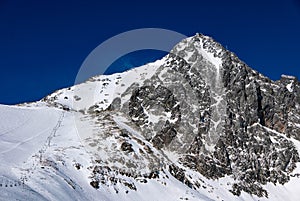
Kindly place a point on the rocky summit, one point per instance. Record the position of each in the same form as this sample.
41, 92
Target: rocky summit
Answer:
199, 124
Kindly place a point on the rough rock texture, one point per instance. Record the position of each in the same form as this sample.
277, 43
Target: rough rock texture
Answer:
245, 148
207, 107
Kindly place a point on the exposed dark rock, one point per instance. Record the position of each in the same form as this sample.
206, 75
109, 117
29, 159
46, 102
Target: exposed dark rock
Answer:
126, 147
155, 97
254, 105
179, 174
95, 184
175, 110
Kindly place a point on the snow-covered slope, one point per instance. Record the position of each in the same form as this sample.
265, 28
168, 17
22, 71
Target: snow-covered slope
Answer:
46, 160
169, 130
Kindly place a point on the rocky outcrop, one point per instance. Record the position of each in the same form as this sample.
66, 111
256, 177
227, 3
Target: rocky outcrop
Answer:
247, 149
216, 114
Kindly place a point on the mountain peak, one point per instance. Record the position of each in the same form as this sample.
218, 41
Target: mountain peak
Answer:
200, 45
199, 121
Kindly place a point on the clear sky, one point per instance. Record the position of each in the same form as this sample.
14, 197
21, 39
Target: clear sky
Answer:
43, 43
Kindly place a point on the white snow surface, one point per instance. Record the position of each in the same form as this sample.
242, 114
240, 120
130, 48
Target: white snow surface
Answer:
290, 86
101, 90
43, 153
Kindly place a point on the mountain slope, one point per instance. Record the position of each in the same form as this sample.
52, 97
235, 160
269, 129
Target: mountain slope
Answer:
199, 124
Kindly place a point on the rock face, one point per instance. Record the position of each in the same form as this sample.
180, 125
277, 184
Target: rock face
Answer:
219, 116
251, 103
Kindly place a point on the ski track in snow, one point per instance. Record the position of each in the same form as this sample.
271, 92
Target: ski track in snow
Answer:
54, 130
44, 148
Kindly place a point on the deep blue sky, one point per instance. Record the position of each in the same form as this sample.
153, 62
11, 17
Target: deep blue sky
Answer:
43, 43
